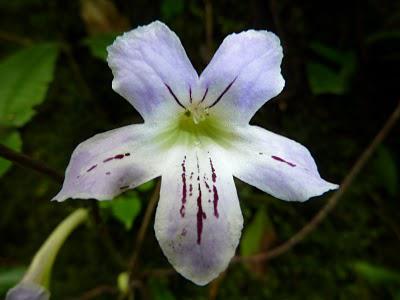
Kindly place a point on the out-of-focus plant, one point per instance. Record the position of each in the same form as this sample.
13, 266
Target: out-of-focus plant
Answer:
36, 281
25, 77
334, 76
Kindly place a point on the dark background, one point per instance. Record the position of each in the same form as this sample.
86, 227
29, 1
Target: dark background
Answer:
341, 65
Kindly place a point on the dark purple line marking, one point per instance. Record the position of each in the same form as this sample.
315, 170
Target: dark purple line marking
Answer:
204, 96
124, 187
213, 175
223, 93
190, 189
215, 191
215, 201
118, 156
174, 96
200, 216
282, 160
190, 94
108, 173
206, 184
184, 188
91, 168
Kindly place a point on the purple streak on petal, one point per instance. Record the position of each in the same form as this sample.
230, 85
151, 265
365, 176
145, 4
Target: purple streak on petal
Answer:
174, 96
282, 160
204, 96
124, 187
184, 191
108, 173
213, 175
190, 190
118, 156
215, 201
91, 168
215, 191
190, 94
206, 184
200, 216
223, 93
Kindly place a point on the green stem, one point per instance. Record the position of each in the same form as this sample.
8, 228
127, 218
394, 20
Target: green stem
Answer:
40, 269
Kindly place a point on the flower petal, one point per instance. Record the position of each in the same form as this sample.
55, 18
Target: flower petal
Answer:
243, 74
111, 162
277, 165
27, 291
198, 220
151, 70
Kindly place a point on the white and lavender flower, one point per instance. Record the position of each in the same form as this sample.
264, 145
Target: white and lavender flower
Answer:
196, 136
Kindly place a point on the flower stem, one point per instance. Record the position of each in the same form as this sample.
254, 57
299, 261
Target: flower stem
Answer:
143, 229
28, 162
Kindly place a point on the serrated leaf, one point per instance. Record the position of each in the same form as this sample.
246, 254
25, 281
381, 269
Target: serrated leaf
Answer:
11, 139
24, 80
98, 44
254, 233
386, 170
124, 208
10, 277
375, 274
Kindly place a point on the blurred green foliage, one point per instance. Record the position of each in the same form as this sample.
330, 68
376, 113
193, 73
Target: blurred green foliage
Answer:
341, 68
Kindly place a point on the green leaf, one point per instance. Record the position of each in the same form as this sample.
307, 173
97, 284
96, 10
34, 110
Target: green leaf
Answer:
386, 171
329, 53
145, 187
159, 290
125, 208
24, 79
11, 139
10, 277
98, 44
325, 79
254, 233
171, 8
376, 274
382, 36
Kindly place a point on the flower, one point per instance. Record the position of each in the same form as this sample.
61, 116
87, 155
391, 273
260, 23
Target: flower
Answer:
196, 136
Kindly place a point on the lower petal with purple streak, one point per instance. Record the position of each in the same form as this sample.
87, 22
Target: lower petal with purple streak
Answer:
198, 220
